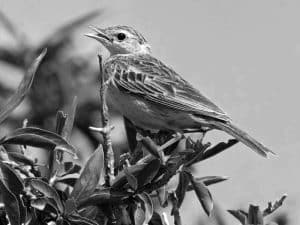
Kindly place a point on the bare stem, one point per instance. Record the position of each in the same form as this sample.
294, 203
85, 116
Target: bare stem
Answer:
274, 206
106, 129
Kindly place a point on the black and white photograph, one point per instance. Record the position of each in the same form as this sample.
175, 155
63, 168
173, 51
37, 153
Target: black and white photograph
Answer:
135, 112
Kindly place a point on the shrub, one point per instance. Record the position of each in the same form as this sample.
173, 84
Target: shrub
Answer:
66, 193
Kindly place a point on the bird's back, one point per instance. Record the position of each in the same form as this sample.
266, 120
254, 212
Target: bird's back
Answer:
146, 76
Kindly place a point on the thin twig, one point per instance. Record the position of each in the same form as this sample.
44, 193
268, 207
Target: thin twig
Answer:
105, 130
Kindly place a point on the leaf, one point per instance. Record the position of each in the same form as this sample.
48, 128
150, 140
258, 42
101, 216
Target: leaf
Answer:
156, 219
67, 129
203, 195
23, 88
20, 158
162, 195
67, 180
13, 182
182, 187
255, 215
121, 179
71, 168
147, 205
208, 180
70, 206
90, 176
238, 214
132, 181
48, 192
37, 137
147, 174
80, 220
139, 215
103, 197
11, 205
11, 179
219, 148
131, 134
22, 209
39, 203
44, 204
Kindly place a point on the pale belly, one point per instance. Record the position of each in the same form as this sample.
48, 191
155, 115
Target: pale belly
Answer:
148, 115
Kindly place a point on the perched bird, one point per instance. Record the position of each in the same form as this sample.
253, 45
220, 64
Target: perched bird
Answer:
152, 95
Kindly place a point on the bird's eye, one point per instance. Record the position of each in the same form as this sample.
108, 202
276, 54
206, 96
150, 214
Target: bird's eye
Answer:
121, 36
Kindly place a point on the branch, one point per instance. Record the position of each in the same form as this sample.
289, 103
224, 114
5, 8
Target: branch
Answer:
105, 130
273, 207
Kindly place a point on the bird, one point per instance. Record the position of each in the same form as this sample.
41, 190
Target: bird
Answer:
152, 95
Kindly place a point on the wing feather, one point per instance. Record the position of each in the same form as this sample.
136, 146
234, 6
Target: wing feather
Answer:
145, 76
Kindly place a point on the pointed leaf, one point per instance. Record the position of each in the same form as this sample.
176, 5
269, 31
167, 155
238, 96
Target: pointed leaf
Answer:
67, 180
71, 168
14, 184
208, 180
121, 179
37, 137
22, 90
48, 192
76, 219
163, 195
11, 205
182, 187
238, 214
218, 148
147, 174
132, 181
90, 176
203, 195
131, 135
11, 179
103, 197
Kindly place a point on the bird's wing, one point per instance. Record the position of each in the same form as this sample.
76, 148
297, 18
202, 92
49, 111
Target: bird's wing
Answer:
145, 76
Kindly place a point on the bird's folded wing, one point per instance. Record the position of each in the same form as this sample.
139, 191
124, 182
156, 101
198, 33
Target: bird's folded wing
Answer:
149, 78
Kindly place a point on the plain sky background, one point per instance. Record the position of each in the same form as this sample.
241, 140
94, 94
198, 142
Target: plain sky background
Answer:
244, 55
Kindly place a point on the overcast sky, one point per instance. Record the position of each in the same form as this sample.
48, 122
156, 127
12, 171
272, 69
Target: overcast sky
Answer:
244, 55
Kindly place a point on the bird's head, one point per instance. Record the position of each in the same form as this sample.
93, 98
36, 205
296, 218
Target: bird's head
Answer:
121, 40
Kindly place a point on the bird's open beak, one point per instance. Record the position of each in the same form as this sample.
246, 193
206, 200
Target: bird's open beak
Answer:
99, 35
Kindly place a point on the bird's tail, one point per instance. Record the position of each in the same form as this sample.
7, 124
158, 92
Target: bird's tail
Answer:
243, 137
